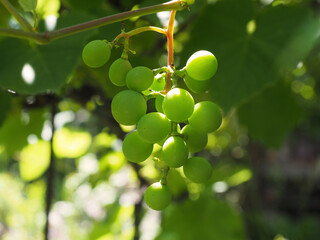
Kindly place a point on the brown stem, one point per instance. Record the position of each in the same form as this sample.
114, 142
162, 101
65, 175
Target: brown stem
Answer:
170, 47
137, 31
50, 36
170, 39
50, 173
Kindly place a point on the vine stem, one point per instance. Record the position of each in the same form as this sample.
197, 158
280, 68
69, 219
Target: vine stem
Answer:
47, 37
137, 31
170, 48
23, 22
50, 172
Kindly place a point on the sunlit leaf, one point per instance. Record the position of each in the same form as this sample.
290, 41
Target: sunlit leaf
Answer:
69, 143
34, 160
46, 8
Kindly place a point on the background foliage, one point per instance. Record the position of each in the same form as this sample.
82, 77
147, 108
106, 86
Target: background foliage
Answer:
55, 111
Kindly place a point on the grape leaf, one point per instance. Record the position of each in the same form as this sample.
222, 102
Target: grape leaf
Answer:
251, 60
205, 218
271, 115
33, 69
28, 5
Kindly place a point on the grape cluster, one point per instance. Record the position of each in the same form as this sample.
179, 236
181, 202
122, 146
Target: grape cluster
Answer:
175, 108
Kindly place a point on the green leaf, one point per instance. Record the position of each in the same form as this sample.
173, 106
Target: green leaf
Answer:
270, 116
280, 36
28, 5
34, 69
34, 160
17, 127
5, 105
205, 218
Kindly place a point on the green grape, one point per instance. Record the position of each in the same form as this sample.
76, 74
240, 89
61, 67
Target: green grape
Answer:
178, 105
118, 71
195, 85
206, 117
139, 78
128, 107
159, 101
96, 53
196, 141
135, 149
159, 83
197, 169
157, 196
174, 152
153, 127
202, 65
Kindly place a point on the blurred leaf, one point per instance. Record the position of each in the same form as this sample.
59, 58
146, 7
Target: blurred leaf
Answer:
270, 116
19, 203
5, 105
34, 160
240, 177
69, 143
205, 219
46, 8
28, 5
251, 60
17, 127
36, 69
84, 5
232, 174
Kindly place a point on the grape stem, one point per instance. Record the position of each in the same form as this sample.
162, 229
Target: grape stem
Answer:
136, 31
47, 37
164, 69
165, 170
170, 48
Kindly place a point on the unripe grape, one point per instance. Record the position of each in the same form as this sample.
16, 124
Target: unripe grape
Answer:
159, 101
178, 105
174, 152
96, 53
139, 78
128, 107
157, 196
196, 141
202, 65
118, 71
153, 127
197, 169
206, 117
135, 149
197, 86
